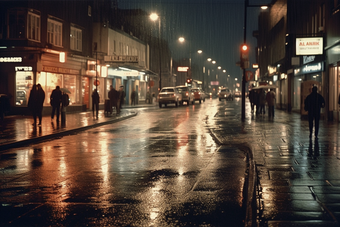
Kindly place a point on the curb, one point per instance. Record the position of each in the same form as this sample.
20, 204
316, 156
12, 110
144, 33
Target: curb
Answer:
249, 192
62, 133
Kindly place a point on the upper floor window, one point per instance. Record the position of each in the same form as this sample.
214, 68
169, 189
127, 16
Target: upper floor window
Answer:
54, 32
76, 39
33, 27
16, 24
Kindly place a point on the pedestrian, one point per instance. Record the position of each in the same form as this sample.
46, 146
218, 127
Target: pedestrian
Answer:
121, 97
133, 97
251, 99
256, 101
262, 101
313, 104
270, 98
36, 102
113, 96
95, 102
55, 101
148, 97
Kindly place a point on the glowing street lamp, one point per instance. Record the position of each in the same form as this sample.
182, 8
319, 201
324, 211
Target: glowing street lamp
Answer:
154, 17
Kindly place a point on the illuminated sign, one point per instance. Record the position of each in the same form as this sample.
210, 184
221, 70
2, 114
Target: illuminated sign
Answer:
10, 59
308, 59
120, 59
310, 68
214, 83
182, 69
23, 68
309, 46
62, 57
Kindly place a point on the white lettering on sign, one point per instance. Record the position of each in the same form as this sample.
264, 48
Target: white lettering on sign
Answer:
182, 69
23, 68
307, 59
10, 59
309, 46
312, 68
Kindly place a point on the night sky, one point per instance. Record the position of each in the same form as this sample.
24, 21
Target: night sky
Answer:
215, 26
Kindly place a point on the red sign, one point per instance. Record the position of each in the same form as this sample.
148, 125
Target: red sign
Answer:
96, 83
249, 75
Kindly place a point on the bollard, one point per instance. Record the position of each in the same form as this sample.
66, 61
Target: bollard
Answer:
63, 115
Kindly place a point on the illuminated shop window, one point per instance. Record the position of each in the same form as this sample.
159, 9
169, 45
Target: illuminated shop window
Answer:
24, 83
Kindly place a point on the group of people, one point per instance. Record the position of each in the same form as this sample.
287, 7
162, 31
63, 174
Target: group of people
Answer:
259, 98
116, 100
36, 103
312, 104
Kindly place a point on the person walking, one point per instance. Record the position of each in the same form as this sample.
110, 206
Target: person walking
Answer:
113, 96
133, 97
121, 97
55, 100
40, 102
270, 98
262, 101
95, 102
313, 104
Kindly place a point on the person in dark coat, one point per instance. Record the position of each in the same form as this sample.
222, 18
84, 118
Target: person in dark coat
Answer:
313, 104
55, 100
95, 102
121, 97
270, 98
262, 101
251, 99
40, 102
133, 97
113, 96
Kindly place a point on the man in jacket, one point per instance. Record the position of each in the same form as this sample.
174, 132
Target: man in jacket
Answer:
55, 100
313, 104
270, 98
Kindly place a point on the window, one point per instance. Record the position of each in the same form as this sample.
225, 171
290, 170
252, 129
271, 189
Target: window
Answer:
76, 39
33, 27
16, 24
54, 32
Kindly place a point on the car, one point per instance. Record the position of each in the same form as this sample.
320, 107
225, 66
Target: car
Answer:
198, 95
238, 94
225, 93
169, 95
187, 96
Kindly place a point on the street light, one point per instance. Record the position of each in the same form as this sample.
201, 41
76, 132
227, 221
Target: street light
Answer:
154, 17
246, 5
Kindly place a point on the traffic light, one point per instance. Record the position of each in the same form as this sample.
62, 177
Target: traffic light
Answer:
244, 56
188, 81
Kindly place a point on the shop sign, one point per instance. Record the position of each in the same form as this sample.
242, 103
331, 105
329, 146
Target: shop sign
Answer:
120, 59
59, 70
23, 68
214, 83
10, 59
182, 69
309, 46
308, 59
249, 75
310, 68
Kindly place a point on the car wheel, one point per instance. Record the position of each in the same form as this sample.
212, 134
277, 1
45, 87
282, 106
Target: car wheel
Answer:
188, 102
200, 100
176, 103
160, 105
204, 100
219, 99
165, 105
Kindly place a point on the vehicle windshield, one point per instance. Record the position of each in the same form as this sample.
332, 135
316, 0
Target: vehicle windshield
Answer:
225, 90
167, 90
194, 90
181, 89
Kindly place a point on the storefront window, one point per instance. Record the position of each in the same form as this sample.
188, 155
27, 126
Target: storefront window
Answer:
71, 85
49, 81
24, 83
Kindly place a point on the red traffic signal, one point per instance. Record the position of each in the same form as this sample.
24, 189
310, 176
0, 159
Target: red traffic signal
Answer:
244, 56
189, 81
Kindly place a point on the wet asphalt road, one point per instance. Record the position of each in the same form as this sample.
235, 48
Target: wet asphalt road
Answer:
160, 168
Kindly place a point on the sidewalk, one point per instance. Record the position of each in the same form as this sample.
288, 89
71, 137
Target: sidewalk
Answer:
297, 180
18, 130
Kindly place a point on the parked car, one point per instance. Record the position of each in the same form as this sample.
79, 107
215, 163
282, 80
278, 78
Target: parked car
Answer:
198, 95
225, 93
169, 95
238, 94
187, 96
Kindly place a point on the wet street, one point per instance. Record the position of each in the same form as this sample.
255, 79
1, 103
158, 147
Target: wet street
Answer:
160, 168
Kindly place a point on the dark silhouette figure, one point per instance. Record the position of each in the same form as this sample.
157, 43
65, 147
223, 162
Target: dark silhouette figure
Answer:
55, 100
113, 96
133, 97
270, 98
313, 104
36, 102
121, 97
262, 102
95, 102
252, 94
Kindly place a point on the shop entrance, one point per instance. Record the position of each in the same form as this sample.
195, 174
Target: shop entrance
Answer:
86, 91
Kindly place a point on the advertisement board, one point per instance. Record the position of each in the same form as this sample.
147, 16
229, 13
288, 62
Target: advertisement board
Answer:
309, 46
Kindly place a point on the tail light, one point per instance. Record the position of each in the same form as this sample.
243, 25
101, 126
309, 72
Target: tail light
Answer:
187, 93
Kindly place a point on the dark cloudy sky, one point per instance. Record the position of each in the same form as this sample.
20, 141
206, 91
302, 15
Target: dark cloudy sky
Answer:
215, 26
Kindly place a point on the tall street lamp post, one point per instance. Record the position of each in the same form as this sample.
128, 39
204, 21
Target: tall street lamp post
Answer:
155, 17
246, 5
